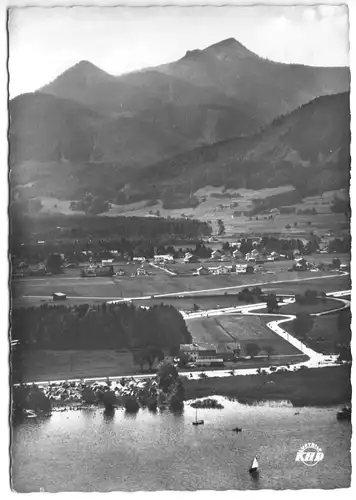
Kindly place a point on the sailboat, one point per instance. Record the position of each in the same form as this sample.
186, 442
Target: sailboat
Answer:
254, 466
197, 422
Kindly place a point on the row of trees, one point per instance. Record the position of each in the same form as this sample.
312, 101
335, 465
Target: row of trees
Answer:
108, 326
79, 230
256, 295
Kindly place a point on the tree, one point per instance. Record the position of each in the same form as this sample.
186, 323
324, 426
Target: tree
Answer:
54, 263
272, 304
98, 206
269, 350
252, 349
302, 324
226, 246
221, 227
336, 263
167, 375
89, 395
183, 359
149, 355
257, 291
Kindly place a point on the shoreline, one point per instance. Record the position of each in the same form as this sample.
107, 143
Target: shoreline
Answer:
322, 387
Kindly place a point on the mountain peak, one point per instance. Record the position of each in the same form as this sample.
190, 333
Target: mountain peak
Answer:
229, 47
87, 68
82, 73
225, 43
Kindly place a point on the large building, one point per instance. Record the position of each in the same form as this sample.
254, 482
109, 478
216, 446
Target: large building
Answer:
163, 259
198, 350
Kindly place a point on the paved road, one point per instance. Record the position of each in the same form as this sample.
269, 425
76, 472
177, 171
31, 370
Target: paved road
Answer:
316, 360
183, 293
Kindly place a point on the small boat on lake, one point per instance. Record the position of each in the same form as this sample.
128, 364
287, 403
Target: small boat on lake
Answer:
237, 429
197, 422
344, 413
254, 466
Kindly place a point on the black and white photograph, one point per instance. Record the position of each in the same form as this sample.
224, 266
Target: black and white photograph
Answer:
179, 248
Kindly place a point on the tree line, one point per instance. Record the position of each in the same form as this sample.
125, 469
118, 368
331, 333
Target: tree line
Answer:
105, 326
58, 229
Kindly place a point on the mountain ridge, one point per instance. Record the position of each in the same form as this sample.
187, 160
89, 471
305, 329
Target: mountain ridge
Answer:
272, 157
209, 117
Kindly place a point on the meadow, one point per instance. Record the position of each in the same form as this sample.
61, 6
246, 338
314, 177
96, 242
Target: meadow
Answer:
324, 334
33, 291
239, 328
312, 387
228, 204
318, 307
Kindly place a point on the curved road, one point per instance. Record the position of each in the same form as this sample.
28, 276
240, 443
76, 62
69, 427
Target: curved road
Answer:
316, 360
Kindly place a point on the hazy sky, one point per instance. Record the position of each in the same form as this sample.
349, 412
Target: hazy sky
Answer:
45, 42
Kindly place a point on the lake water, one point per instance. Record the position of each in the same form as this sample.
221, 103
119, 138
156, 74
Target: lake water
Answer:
90, 451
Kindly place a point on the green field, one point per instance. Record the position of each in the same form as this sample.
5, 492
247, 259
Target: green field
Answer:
337, 283
313, 387
34, 291
324, 334
62, 365
239, 328
318, 307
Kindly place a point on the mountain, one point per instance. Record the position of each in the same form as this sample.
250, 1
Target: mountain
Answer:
46, 128
309, 148
225, 90
240, 74
212, 117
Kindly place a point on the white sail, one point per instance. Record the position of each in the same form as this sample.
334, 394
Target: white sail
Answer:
254, 465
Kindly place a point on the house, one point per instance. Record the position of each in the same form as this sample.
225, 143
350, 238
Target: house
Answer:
139, 259
141, 271
107, 261
222, 270
299, 267
300, 264
237, 254
59, 296
253, 256
190, 259
301, 261
203, 271
161, 259
88, 272
216, 254
225, 258
196, 351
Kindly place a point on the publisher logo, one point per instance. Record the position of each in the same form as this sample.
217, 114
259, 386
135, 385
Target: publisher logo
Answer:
310, 454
